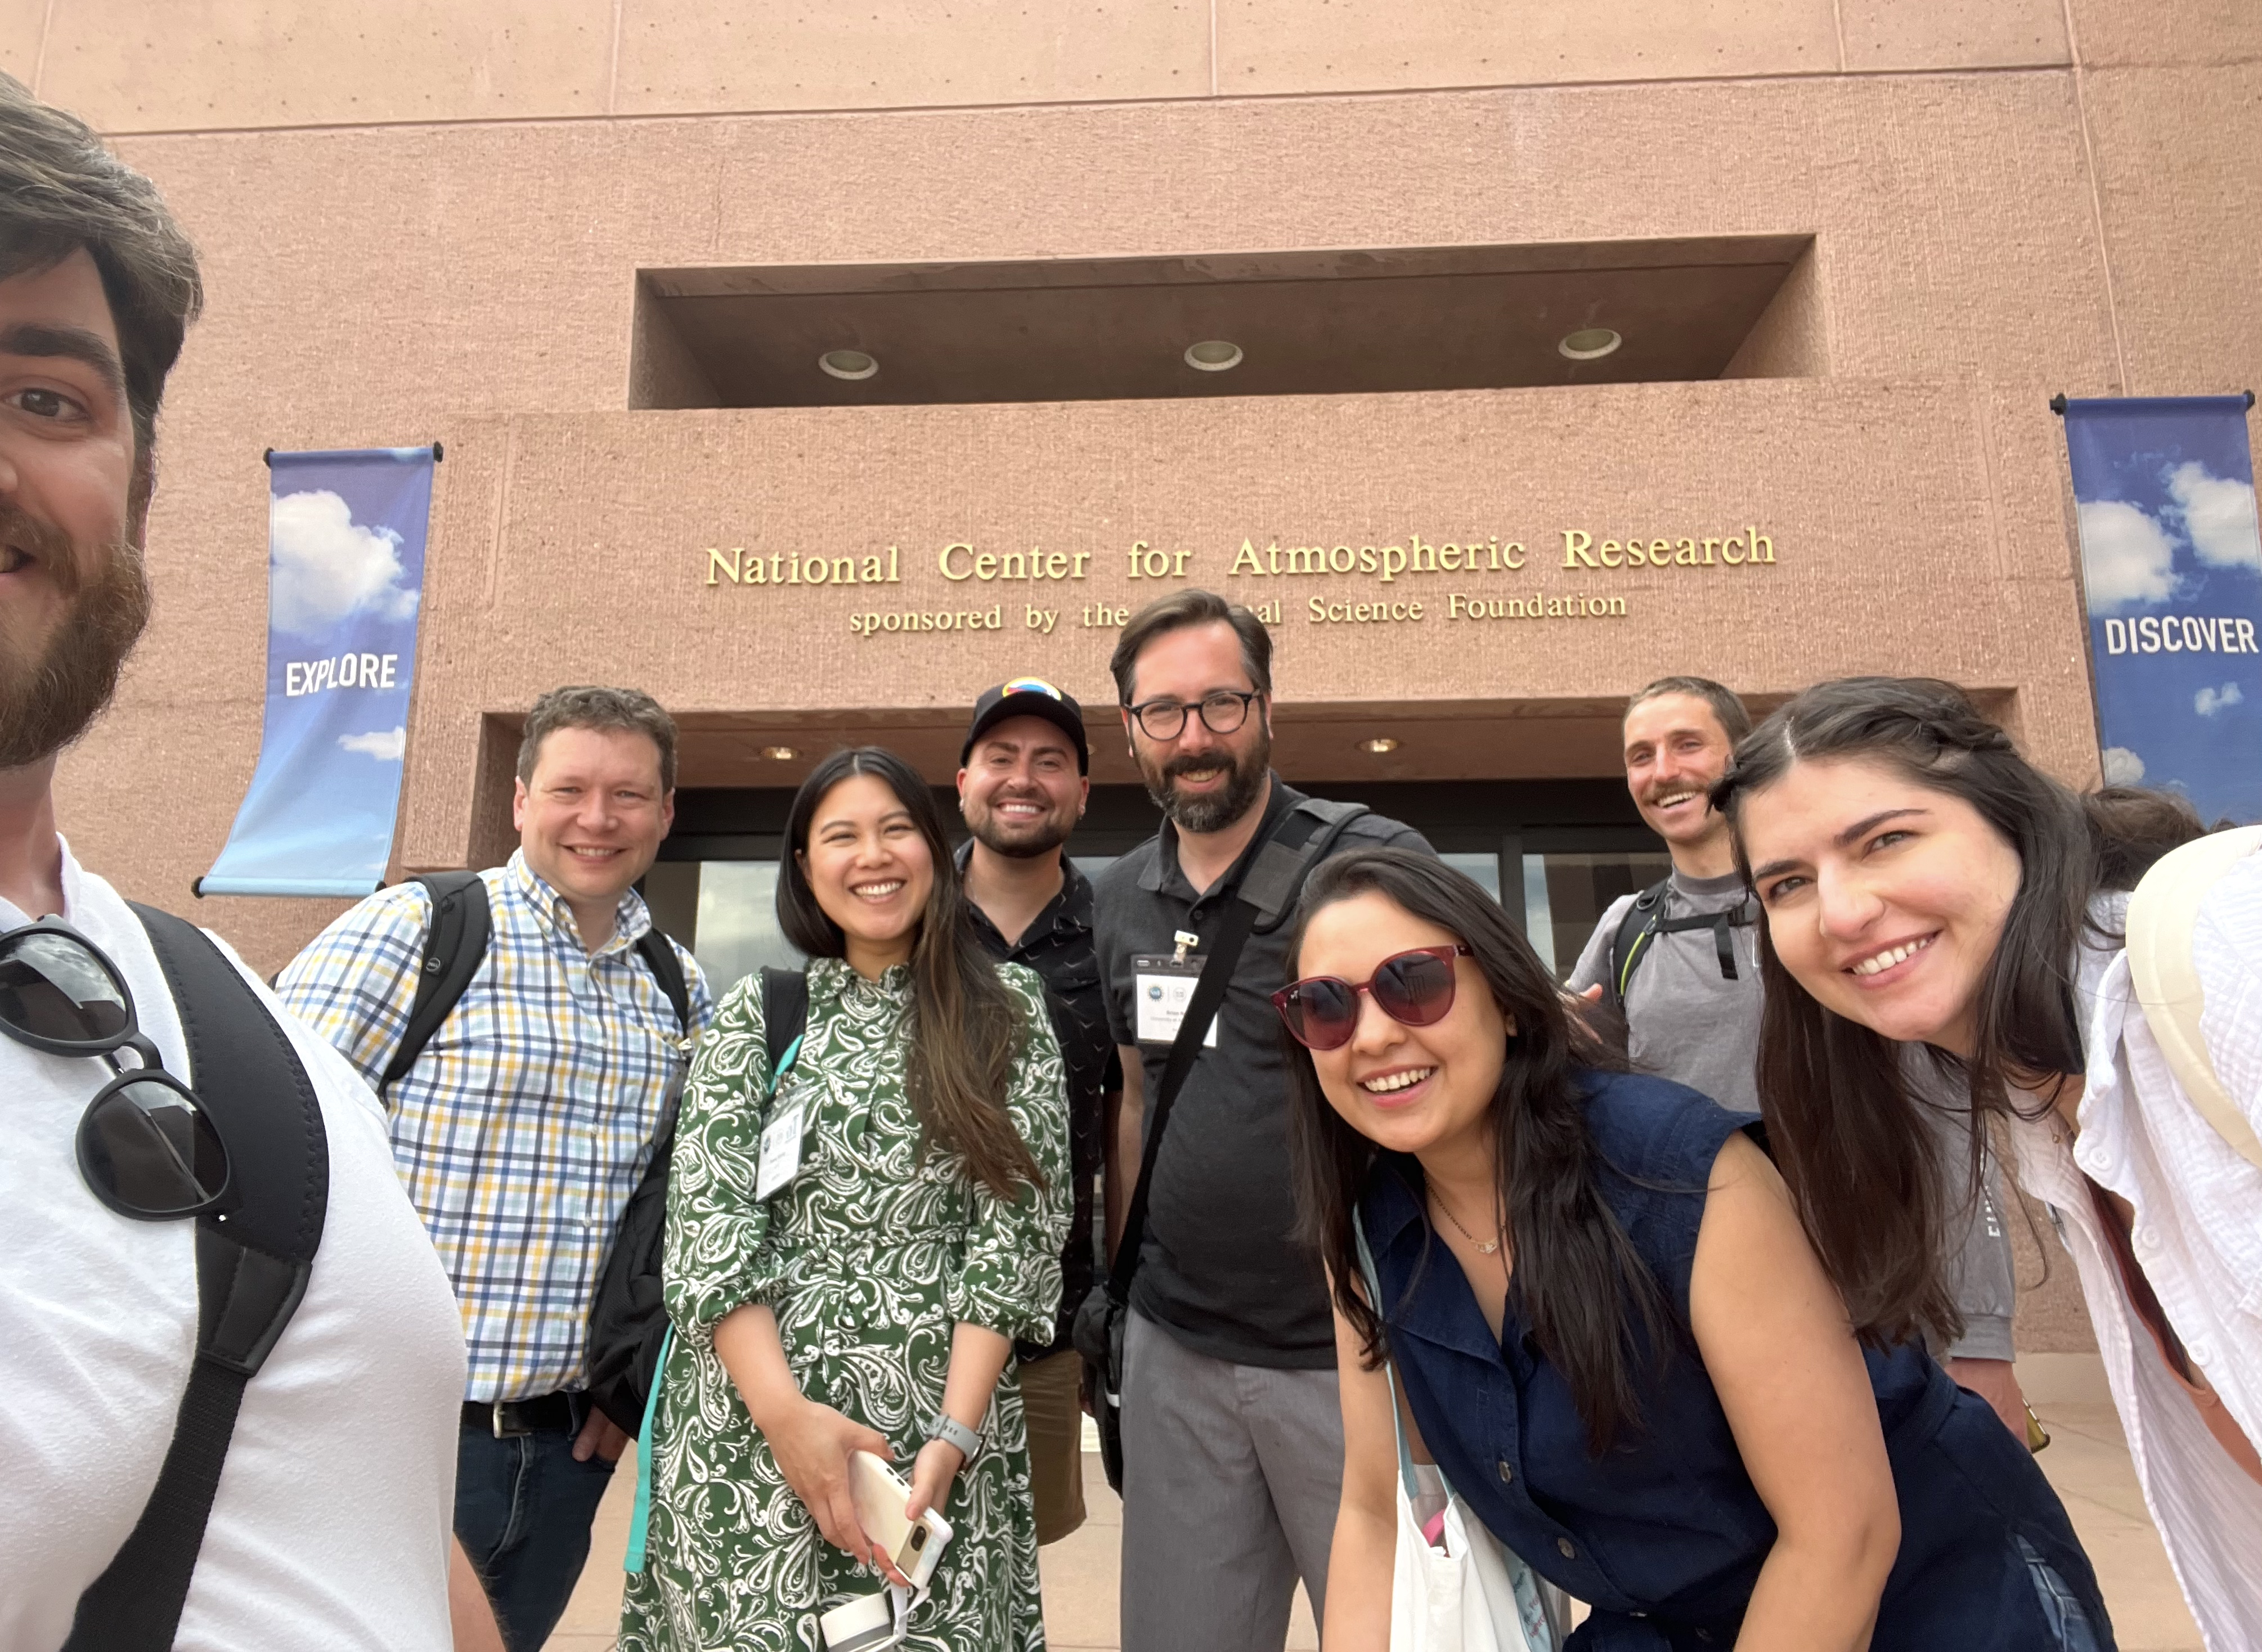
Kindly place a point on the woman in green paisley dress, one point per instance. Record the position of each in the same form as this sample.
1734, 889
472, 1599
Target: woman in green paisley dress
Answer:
885, 1282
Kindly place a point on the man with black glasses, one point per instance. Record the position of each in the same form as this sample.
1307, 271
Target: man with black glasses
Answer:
329, 1527
1232, 1441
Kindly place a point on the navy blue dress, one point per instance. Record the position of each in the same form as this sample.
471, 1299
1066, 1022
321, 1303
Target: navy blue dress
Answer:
1665, 1535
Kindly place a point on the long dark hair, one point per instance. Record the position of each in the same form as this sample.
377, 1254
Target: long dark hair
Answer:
966, 1030
1842, 1123
1578, 1280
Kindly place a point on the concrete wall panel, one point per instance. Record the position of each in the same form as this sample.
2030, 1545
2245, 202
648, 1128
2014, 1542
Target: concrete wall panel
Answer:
1947, 34
1948, 210
1306, 46
2164, 32
127, 66
489, 267
2179, 169
684, 56
1952, 220
21, 24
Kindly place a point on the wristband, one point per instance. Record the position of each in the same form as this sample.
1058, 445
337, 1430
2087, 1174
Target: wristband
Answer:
950, 1431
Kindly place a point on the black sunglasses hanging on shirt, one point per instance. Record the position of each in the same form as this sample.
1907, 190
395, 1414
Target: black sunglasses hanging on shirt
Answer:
146, 1147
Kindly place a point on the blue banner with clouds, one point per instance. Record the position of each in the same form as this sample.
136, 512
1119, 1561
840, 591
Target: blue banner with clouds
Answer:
345, 569
2171, 569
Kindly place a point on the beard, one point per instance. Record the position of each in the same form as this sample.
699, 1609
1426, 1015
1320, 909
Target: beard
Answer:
48, 699
1244, 782
1039, 837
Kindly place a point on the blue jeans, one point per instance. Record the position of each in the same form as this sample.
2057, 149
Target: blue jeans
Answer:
523, 1508
2060, 1605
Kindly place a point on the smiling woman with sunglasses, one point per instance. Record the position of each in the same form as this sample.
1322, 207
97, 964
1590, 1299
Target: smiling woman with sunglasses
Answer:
1609, 1329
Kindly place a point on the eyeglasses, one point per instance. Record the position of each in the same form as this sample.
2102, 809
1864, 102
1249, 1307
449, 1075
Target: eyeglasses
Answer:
145, 1146
1413, 988
1222, 713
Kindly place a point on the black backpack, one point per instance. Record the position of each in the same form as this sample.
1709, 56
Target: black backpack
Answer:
1645, 920
457, 943
628, 1318
253, 1263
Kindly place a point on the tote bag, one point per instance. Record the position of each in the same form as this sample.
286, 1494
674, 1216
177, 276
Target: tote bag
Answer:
1471, 1595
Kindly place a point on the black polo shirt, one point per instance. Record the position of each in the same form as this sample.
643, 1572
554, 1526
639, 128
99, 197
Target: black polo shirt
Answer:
1218, 1267
1058, 946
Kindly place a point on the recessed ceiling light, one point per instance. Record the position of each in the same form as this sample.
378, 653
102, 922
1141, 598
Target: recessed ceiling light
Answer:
1214, 355
1589, 343
780, 754
854, 363
1381, 745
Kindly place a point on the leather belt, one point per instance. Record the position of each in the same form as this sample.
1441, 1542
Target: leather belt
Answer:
507, 1419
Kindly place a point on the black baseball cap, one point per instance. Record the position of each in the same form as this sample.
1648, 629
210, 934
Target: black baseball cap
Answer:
1028, 696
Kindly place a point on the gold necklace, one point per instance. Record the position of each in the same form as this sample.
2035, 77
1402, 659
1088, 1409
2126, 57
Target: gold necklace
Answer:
1487, 1246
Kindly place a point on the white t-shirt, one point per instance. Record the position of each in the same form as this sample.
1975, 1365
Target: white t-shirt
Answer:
331, 1527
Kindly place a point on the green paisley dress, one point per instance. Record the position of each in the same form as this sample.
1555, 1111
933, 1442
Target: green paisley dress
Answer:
868, 1259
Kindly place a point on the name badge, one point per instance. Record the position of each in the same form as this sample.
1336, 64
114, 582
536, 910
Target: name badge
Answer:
780, 1159
1164, 986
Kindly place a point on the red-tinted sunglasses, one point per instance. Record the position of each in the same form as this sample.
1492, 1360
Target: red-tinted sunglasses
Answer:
1413, 988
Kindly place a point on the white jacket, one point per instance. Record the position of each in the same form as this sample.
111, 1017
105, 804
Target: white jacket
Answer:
2197, 1234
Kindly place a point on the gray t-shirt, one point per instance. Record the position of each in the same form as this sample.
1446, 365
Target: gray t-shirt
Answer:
1686, 1021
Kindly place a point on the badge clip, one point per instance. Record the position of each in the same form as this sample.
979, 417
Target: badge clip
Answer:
1184, 942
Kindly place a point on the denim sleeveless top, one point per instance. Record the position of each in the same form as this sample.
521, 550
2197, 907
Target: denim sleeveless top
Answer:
1664, 1535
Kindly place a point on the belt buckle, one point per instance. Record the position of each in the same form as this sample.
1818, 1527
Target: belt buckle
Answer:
495, 1415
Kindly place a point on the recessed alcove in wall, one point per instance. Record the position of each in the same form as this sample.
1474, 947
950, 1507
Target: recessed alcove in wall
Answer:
1305, 323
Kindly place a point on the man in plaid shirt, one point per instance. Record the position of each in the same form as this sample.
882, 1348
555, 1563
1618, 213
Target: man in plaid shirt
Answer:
526, 1122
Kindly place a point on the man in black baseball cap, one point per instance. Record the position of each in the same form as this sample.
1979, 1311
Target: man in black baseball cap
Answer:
1022, 788
1029, 697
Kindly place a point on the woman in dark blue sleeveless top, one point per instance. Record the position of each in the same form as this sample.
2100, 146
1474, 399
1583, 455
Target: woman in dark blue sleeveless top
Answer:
1611, 1332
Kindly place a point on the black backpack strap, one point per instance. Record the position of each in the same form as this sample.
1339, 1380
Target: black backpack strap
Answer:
455, 944
253, 1262
1637, 932
1276, 877
785, 1011
1723, 924
1269, 887
658, 954
1645, 920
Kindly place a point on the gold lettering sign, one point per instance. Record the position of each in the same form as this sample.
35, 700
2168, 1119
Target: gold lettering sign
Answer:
1364, 580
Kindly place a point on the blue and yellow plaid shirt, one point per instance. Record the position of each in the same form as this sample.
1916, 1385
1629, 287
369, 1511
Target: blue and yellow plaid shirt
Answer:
526, 1123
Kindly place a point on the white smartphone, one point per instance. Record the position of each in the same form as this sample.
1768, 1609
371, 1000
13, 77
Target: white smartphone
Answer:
881, 1499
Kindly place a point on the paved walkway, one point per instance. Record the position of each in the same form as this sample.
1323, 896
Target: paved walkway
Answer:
2087, 1461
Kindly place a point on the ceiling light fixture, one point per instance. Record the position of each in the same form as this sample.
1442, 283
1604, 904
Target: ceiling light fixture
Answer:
1214, 355
780, 754
849, 364
1381, 745
1589, 343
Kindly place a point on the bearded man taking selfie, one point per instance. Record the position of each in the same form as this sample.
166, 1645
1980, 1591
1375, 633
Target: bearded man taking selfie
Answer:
124, 1302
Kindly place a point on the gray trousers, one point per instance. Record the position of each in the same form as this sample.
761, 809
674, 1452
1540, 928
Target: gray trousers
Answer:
1231, 1474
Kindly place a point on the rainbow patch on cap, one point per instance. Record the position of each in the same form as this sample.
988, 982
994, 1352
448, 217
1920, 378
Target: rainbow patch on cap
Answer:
1029, 685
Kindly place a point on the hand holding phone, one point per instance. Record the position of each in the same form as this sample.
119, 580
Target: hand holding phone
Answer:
908, 1548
